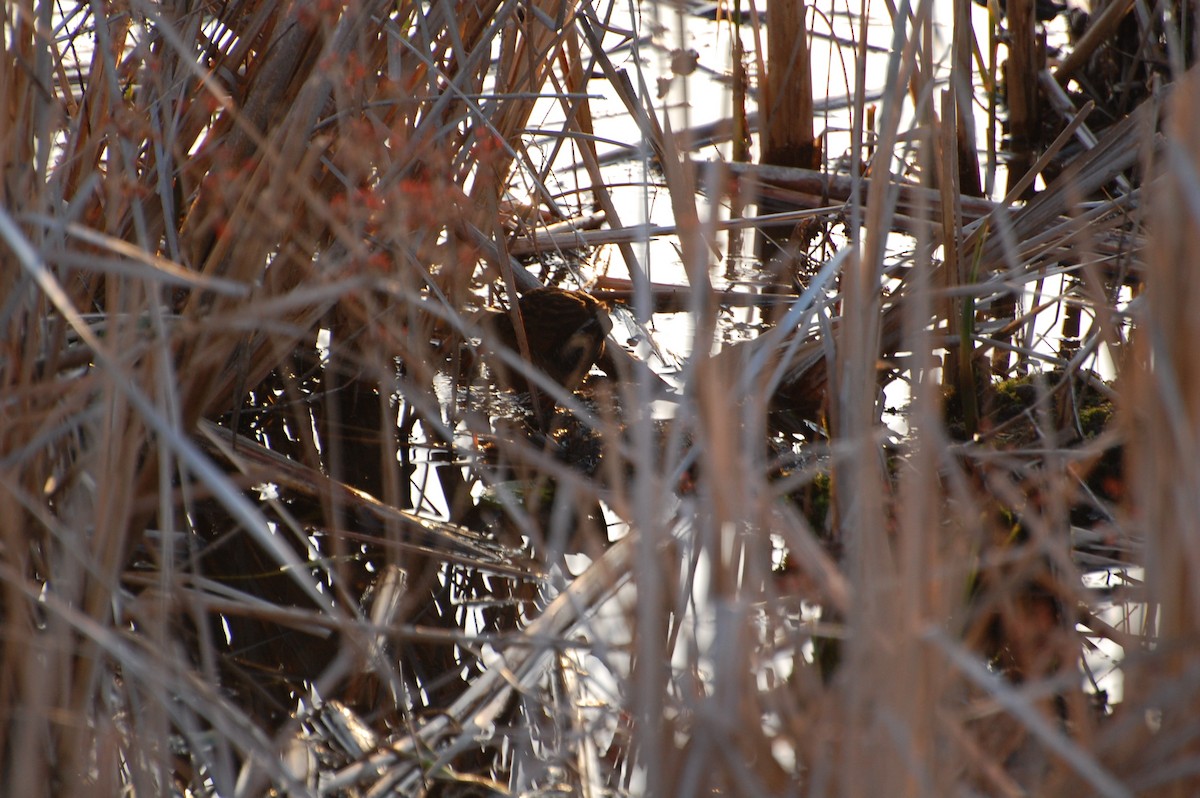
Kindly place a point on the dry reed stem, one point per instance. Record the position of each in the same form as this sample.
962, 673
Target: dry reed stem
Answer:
1162, 395
207, 526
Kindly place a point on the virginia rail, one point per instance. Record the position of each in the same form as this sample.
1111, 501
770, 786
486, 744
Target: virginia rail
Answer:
564, 330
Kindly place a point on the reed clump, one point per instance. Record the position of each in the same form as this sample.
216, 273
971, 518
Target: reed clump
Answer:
893, 496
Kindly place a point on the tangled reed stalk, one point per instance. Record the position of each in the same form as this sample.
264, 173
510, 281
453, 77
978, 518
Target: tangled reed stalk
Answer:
905, 509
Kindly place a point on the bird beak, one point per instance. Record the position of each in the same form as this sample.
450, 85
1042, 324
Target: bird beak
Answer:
605, 322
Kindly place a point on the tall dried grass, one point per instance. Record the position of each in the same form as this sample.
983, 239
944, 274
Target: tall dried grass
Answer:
263, 530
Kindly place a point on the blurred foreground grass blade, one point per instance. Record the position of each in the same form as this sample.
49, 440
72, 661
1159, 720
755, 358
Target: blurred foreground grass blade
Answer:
1163, 401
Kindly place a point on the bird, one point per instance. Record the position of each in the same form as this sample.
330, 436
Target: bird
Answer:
1043, 10
564, 331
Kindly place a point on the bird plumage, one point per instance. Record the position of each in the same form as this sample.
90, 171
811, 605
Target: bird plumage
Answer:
564, 332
